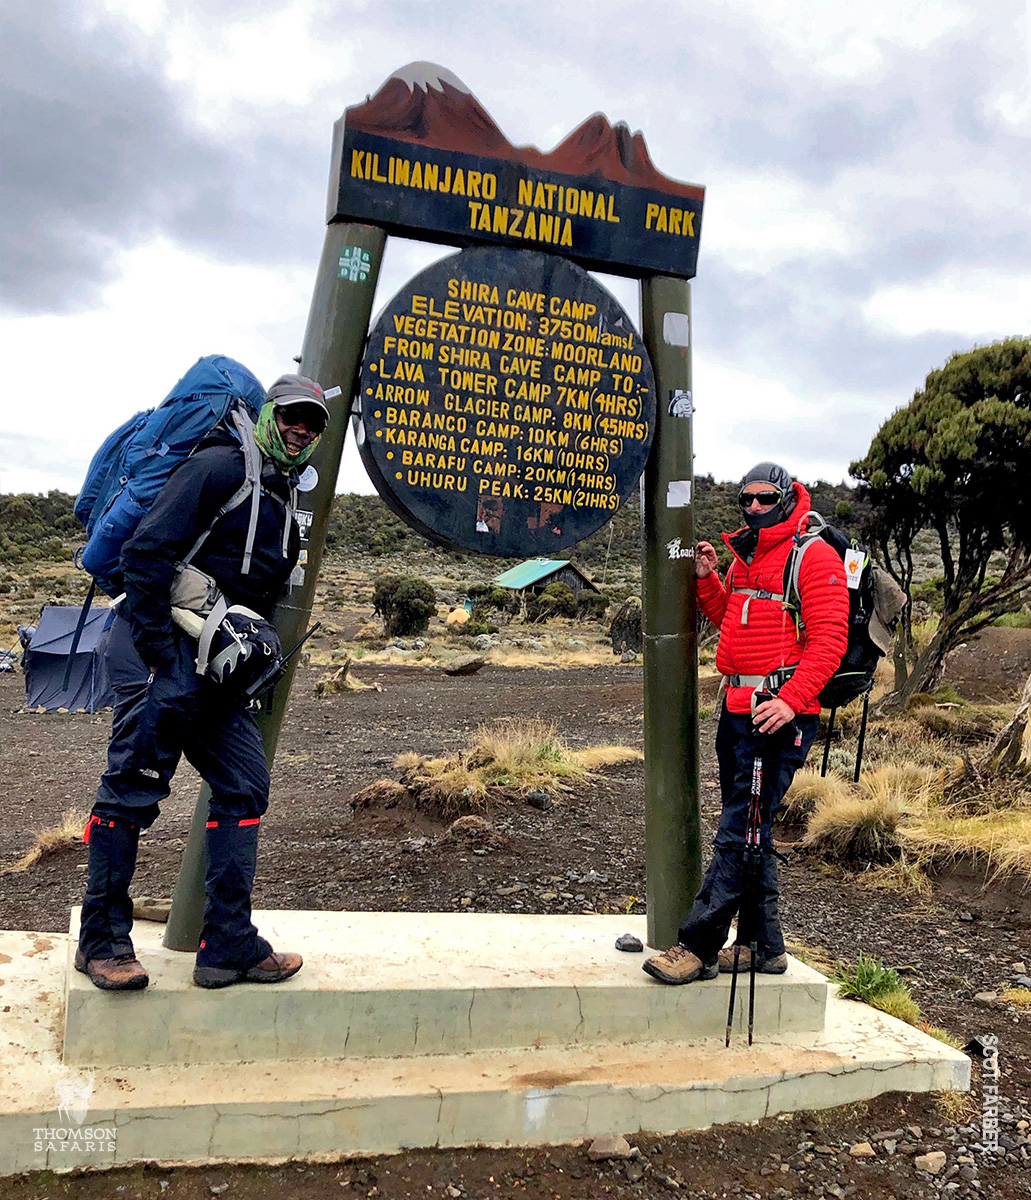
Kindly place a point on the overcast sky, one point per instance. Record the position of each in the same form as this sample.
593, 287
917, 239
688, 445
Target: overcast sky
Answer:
165, 169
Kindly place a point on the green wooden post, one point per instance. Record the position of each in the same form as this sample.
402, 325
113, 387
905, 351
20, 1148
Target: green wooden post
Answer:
338, 322
672, 811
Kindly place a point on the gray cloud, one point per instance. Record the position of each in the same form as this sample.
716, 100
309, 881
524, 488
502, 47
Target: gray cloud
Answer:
100, 155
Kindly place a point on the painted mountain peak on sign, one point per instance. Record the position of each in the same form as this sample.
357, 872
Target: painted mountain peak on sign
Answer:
429, 105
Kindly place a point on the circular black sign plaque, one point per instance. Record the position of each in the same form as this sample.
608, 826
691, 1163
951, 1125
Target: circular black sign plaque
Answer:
507, 403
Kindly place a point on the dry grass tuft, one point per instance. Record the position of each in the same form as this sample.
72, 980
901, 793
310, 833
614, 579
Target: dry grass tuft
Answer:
1002, 836
505, 759
955, 1108
808, 791
341, 680
853, 828
942, 1035
906, 876
48, 842
595, 757
967, 722
899, 1004
471, 831
1019, 996
908, 785
384, 793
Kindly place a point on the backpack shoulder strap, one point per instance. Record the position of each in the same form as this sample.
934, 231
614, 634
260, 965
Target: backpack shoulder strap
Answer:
251, 487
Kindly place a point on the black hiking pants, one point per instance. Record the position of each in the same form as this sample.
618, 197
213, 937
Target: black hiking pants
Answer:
157, 720
718, 901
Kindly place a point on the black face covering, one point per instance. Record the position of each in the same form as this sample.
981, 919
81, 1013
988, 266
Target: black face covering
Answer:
775, 475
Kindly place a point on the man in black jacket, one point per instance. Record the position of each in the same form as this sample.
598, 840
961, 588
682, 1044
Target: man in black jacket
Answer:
165, 709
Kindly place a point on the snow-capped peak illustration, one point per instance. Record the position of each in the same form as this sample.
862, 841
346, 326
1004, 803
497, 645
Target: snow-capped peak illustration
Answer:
429, 105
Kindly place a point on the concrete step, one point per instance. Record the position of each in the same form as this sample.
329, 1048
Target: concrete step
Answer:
325, 1108
377, 985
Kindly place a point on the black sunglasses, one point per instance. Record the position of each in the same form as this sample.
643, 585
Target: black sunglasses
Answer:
765, 498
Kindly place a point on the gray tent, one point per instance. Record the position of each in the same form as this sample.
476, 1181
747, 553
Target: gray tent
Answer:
46, 660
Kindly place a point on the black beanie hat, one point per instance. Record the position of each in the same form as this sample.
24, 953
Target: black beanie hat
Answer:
775, 475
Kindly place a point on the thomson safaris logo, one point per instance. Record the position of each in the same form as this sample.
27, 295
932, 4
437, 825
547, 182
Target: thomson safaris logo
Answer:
69, 1134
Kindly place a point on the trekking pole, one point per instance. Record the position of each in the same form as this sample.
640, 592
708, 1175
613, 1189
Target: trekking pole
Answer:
746, 917
827, 743
753, 850
862, 736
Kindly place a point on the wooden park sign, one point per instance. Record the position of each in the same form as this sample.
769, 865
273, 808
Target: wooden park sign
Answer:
507, 404
423, 158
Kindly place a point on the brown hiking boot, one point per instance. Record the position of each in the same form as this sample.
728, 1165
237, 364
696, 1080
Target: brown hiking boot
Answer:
776, 965
679, 965
125, 973
278, 966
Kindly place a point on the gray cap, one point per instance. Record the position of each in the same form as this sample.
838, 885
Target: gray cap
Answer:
769, 472
289, 390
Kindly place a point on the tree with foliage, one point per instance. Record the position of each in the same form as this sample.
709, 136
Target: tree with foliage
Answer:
556, 600
955, 461
405, 603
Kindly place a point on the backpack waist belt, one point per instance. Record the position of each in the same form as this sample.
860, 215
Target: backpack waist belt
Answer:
760, 595
771, 682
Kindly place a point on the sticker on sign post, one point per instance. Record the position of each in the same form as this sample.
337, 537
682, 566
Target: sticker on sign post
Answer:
680, 404
678, 493
676, 329
354, 264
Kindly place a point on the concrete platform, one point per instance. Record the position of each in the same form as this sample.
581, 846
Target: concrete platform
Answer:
336, 1106
386, 984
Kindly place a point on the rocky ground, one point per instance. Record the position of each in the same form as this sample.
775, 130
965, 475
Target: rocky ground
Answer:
958, 949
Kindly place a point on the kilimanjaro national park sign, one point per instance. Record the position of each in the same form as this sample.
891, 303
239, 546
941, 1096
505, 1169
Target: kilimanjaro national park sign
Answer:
422, 158
507, 404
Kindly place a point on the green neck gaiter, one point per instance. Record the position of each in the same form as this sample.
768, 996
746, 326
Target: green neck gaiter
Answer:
270, 441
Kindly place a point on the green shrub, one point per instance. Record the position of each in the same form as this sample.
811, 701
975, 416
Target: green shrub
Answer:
880, 986
1015, 620
591, 605
557, 600
472, 628
488, 598
405, 603
866, 980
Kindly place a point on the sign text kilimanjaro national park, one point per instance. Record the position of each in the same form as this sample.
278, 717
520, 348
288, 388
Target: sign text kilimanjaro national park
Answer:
423, 158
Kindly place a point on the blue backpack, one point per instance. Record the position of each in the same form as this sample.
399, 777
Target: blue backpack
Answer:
134, 462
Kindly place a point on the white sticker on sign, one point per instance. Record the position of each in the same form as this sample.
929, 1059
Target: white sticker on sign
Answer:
676, 329
678, 493
331, 393
854, 562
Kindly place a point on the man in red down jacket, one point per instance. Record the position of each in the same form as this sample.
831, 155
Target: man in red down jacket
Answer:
759, 644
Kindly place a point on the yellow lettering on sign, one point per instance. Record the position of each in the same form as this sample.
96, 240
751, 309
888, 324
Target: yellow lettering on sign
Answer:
669, 220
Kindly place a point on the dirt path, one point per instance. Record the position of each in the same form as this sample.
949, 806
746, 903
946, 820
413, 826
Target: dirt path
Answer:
960, 943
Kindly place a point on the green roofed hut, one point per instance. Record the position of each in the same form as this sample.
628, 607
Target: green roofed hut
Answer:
534, 575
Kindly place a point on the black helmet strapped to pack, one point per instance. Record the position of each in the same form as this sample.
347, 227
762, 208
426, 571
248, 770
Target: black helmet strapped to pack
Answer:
236, 647
243, 649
